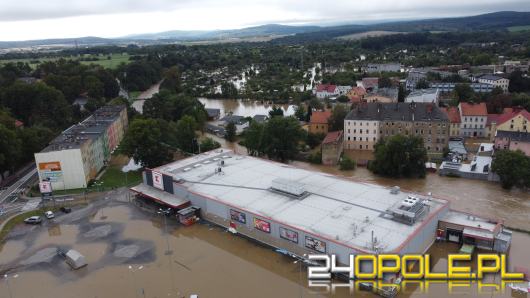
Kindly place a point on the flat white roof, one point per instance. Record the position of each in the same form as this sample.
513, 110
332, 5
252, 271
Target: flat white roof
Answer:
468, 220
337, 209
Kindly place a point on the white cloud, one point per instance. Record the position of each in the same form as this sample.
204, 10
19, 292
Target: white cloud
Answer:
26, 19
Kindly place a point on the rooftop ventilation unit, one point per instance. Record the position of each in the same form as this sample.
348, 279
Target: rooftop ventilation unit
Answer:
288, 187
409, 211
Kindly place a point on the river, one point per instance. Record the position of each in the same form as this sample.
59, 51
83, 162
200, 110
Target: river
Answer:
246, 108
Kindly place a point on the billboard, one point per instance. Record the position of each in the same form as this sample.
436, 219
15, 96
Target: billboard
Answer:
158, 180
45, 188
50, 171
238, 216
315, 244
289, 235
262, 225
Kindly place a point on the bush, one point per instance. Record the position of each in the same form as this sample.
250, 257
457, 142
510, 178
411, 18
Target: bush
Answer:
347, 164
315, 158
209, 144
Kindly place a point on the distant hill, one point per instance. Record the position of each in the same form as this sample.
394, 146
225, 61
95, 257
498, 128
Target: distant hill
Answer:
293, 34
264, 30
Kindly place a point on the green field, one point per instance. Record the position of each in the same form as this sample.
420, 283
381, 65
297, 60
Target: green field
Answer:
519, 28
103, 60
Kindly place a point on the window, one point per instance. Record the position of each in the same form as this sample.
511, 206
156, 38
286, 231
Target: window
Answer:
355, 138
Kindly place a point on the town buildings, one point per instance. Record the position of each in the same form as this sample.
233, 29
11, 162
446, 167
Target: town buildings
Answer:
369, 84
478, 168
324, 91
431, 95
369, 122
496, 81
332, 147
453, 114
450, 87
473, 119
77, 155
382, 67
513, 141
318, 123
386, 95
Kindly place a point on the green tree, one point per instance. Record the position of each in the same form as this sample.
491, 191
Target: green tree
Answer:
172, 80
336, 121
464, 92
281, 138
209, 144
300, 113
513, 167
400, 156
33, 139
276, 111
254, 139
185, 133
10, 148
230, 132
229, 90
346, 164
143, 141
343, 99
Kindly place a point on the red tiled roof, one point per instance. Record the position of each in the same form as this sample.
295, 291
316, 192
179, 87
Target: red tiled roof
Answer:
320, 117
19, 123
355, 99
326, 87
469, 109
492, 118
508, 115
453, 114
332, 137
358, 91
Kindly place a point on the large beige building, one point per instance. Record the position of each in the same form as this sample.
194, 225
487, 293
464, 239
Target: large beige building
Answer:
77, 155
369, 122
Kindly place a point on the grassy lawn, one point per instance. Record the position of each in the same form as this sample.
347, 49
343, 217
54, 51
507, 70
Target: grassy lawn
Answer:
114, 178
518, 28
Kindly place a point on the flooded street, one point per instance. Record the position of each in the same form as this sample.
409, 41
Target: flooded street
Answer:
246, 108
126, 248
138, 104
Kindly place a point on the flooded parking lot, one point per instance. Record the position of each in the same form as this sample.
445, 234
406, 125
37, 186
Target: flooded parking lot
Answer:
125, 248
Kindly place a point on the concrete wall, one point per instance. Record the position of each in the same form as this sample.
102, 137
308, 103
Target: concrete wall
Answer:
73, 173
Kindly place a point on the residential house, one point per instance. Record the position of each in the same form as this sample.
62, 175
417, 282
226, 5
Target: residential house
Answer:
512, 119
496, 81
513, 141
319, 122
213, 114
453, 114
356, 94
326, 91
240, 122
332, 147
478, 168
431, 95
385, 95
369, 84
369, 122
260, 118
473, 118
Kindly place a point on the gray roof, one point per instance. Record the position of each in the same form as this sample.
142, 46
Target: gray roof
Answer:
260, 118
398, 112
517, 136
234, 119
392, 93
213, 112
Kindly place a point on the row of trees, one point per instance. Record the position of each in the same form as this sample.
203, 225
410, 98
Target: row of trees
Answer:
513, 167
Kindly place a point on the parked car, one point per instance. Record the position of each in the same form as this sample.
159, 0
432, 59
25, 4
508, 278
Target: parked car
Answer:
66, 209
33, 220
49, 214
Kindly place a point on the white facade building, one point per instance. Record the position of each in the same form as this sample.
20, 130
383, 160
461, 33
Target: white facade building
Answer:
495, 81
361, 134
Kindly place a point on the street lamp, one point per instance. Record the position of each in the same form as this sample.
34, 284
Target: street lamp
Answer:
164, 213
133, 270
7, 277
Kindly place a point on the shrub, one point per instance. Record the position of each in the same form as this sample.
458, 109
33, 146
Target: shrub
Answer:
347, 164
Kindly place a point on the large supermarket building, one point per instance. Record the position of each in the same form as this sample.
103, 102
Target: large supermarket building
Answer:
294, 209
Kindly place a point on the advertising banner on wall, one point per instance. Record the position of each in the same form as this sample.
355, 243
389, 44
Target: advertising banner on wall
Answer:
289, 234
238, 216
315, 244
50, 171
45, 188
262, 225
158, 180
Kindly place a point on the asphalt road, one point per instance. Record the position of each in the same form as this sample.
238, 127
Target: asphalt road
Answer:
19, 185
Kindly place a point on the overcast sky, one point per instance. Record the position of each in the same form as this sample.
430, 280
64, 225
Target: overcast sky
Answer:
38, 19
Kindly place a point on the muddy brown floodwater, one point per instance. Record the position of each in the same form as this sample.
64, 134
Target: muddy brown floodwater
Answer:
205, 260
